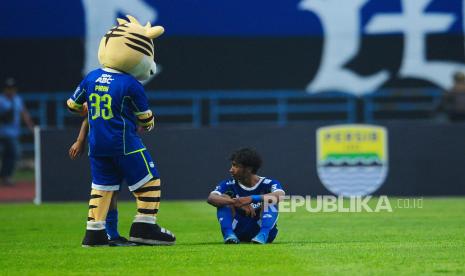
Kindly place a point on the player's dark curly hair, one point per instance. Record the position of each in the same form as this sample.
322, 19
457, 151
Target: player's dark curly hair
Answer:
247, 157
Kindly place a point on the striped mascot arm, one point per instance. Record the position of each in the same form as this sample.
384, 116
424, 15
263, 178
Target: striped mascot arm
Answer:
75, 108
145, 119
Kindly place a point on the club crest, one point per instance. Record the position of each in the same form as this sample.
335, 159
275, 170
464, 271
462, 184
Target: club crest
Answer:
352, 160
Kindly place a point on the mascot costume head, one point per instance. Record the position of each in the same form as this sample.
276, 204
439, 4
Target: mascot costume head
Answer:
129, 48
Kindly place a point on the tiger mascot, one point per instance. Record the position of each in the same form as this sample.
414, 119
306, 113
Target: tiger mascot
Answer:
116, 106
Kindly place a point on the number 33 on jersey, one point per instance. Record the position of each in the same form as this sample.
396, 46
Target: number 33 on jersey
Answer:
117, 105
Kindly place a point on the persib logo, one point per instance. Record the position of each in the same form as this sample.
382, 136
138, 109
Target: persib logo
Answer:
352, 160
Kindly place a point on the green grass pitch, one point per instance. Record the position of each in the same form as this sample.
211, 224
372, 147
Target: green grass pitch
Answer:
46, 240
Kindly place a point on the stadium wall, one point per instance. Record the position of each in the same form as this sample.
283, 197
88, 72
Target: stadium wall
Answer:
356, 46
212, 63
424, 160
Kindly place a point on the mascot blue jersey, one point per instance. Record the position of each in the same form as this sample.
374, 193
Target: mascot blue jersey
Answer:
114, 99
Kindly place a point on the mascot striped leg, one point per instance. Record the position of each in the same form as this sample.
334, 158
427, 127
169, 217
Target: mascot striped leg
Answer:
144, 229
98, 208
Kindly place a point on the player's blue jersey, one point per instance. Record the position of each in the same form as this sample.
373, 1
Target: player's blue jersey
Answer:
235, 189
113, 99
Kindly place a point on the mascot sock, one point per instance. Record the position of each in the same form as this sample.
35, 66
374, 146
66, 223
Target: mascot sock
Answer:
111, 225
144, 228
98, 209
269, 218
225, 219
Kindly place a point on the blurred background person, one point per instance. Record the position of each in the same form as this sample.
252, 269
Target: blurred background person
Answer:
454, 99
12, 110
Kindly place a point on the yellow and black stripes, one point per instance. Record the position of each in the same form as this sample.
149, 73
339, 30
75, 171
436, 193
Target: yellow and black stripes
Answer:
98, 205
148, 188
145, 119
148, 198
93, 196
113, 33
73, 106
142, 211
137, 42
143, 44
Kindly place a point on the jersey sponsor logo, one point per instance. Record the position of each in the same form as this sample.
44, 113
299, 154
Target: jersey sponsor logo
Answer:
352, 160
274, 187
104, 79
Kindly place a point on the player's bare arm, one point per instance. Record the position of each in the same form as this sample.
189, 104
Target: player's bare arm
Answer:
219, 200
27, 119
224, 200
78, 146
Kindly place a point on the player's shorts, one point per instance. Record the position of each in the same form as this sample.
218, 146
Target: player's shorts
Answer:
108, 172
246, 228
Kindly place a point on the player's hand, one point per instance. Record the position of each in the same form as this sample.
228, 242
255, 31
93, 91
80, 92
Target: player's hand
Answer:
84, 110
249, 210
76, 150
241, 201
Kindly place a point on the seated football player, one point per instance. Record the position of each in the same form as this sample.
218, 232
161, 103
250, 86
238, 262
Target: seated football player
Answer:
247, 204
111, 225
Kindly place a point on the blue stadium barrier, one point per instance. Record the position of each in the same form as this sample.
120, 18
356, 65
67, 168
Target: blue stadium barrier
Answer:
186, 104
400, 102
189, 105
281, 104
215, 108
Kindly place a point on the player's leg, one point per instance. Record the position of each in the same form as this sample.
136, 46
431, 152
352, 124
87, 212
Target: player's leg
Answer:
111, 225
9, 158
269, 217
245, 227
5, 159
225, 216
272, 235
104, 183
143, 180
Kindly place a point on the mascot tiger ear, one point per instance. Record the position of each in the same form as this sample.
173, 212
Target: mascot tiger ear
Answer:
129, 48
155, 32
121, 21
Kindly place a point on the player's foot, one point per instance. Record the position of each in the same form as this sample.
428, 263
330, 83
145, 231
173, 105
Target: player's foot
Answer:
94, 238
150, 234
260, 238
120, 241
231, 239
